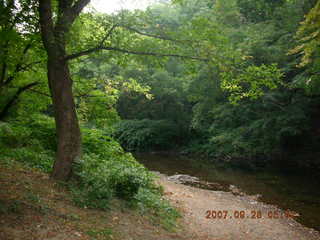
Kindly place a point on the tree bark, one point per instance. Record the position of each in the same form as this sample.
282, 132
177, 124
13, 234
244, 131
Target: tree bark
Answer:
60, 83
67, 126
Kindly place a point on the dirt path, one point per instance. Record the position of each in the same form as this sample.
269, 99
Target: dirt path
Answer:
196, 202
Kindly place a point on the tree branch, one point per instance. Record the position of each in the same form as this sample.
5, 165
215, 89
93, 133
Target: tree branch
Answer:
67, 15
40, 93
70, 14
29, 65
18, 66
78, 6
83, 53
10, 103
3, 73
8, 80
92, 50
4, 63
108, 34
46, 23
152, 35
63, 5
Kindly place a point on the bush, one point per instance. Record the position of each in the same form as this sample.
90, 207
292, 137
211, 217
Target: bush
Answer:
141, 135
119, 175
14, 135
106, 171
43, 129
18, 142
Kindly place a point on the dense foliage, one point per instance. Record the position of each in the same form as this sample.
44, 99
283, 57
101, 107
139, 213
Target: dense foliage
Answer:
253, 101
146, 134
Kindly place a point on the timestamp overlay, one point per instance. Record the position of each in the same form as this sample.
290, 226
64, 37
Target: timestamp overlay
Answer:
247, 214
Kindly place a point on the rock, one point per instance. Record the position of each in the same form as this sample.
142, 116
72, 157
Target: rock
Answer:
195, 182
168, 193
214, 185
183, 178
292, 213
235, 190
255, 197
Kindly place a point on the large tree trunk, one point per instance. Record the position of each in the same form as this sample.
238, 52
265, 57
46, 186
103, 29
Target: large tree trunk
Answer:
68, 131
53, 35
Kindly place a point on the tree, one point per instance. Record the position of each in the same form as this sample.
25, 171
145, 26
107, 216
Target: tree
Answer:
54, 36
55, 30
18, 43
308, 36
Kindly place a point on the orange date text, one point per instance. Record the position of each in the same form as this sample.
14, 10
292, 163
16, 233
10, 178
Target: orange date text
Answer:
246, 214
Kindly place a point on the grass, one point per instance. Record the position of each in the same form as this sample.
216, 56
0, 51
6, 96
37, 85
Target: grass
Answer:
102, 233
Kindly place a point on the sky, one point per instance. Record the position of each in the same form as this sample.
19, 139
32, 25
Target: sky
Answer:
110, 6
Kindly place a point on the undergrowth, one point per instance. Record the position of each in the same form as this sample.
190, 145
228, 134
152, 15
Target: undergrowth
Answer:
104, 172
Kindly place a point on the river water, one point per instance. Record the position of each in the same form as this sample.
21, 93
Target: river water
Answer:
297, 193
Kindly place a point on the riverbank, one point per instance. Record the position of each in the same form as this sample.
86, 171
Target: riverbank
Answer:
287, 191
33, 207
213, 215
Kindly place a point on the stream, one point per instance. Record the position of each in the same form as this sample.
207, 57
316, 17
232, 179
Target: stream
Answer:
297, 193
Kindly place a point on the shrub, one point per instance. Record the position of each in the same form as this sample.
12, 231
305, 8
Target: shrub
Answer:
13, 135
43, 129
106, 171
101, 178
18, 142
140, 135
